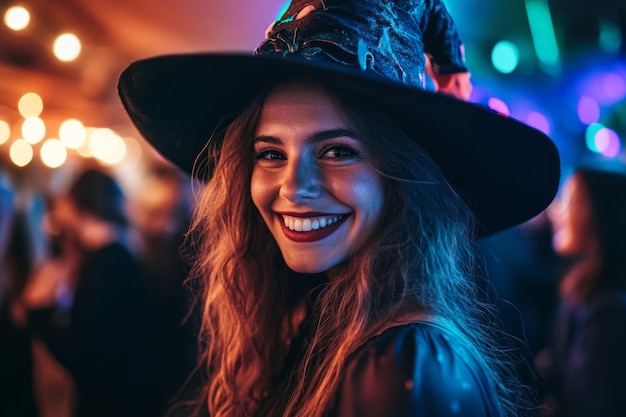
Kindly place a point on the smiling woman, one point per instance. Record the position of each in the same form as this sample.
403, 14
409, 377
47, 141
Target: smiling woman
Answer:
334, 240
312, 181
318, 154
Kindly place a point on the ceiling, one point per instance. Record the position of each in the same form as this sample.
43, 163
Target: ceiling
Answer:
113, 33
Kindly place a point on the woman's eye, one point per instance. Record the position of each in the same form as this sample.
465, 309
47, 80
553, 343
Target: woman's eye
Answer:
268, 154
339, 152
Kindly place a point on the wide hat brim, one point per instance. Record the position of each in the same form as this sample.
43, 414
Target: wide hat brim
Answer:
506, 171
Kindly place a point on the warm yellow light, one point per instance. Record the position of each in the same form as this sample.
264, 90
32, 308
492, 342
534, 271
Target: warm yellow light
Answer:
30, 104
17, 18
133, 150
33, 129
72, 133
84, 150
5, 132
107, 146
53, 153
21, 152
67, 47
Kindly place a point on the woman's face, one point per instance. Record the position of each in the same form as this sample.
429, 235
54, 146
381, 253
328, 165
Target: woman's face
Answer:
570, 215
312, 181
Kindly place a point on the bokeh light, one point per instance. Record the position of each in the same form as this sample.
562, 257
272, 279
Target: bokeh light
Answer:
133, 150
5, 132
543, 34
30, 105
588, 110
499, 106
67, 47
21, 152
17, 18
84, 149
53, 153
611, 37
607, 142
614, 86
505, 57
539, 121
72, 133
107, 146
33, 129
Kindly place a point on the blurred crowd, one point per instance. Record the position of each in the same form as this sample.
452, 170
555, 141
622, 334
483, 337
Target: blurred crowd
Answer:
97, 319
95, 315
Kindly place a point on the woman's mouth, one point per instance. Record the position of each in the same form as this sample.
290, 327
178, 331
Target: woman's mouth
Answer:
306, 224
309, 229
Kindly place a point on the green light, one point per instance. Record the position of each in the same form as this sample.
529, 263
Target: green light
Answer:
590, 136
544, 38
610, 38
505, 57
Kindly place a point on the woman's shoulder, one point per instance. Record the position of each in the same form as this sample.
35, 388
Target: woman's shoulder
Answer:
416, 369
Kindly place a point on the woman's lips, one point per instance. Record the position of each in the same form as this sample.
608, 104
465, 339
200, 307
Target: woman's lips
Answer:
310, 229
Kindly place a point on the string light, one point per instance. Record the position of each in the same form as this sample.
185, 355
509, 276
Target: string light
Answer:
53, 153
67, 47
30, 104
17, 18
33, 129
5, 132
72, 133
21, 152
107, 146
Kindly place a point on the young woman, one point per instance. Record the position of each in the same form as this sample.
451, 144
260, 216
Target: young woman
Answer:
585, 368
334, 237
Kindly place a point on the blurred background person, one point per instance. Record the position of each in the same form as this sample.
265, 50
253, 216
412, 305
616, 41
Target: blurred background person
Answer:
87, 303
17, 392
585, 368
523, 270
161, 212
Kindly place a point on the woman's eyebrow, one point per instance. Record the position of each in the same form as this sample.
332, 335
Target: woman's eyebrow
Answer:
315, 137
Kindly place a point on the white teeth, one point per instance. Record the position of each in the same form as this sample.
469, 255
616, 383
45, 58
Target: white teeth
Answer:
299, 224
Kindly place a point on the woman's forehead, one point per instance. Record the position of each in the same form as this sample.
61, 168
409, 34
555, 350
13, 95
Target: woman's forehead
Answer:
300, 105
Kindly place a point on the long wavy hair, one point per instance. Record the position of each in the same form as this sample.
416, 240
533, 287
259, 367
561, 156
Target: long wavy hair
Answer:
419, 260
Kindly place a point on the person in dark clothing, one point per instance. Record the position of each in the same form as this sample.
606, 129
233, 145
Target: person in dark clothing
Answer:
585, 367
334, 240
88, 303
161, 214
17, 396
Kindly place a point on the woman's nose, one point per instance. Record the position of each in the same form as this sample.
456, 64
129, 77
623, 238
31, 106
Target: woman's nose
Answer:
301, 180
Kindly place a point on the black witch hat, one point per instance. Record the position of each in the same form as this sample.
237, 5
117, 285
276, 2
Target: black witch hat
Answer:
507, 171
